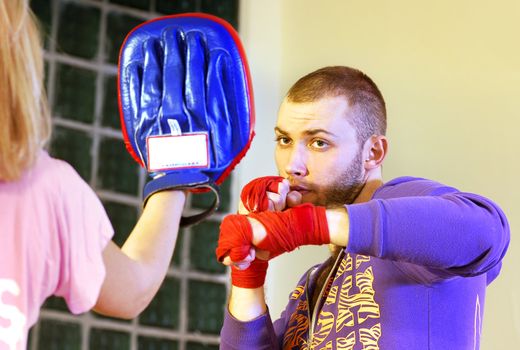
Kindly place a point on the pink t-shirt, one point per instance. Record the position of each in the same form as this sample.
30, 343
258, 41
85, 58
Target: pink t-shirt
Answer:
53, 232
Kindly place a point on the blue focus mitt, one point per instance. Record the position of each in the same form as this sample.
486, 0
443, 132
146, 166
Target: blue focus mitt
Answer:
186, 103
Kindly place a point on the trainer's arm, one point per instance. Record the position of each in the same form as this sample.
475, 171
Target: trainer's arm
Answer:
135, 272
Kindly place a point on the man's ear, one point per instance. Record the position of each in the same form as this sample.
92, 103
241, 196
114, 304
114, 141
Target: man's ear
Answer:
375, 150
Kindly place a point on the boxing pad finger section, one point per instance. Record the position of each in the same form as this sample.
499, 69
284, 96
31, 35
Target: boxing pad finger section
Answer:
221, 100
173, 113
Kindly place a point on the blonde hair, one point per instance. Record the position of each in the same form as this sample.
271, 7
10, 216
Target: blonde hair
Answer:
24, 116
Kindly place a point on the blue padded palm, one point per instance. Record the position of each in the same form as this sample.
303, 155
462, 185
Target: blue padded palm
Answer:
184, 84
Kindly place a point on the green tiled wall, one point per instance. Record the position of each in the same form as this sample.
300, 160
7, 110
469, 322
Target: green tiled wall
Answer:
110, 117
200, 346
58, 335
43, 9
75, 93
117, 171
164, 310
204, 200
55, 303
177, 254
118, 25
145, 343
175, 7
205, 306
84, 27
140, 4
102, 339
202, 247
73, 146
223, 8
82, 39
123, 218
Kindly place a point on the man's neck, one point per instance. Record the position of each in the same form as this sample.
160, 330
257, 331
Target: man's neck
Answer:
374, 181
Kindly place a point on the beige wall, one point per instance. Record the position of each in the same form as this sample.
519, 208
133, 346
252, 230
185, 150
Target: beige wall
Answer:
450, 73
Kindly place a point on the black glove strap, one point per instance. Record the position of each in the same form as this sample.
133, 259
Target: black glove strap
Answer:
184, 182
193, 219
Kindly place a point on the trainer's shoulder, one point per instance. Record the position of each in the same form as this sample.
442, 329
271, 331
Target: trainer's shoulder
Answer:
412, 186
57, 172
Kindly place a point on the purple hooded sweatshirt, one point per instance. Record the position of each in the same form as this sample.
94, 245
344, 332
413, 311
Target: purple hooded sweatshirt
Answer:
413, 276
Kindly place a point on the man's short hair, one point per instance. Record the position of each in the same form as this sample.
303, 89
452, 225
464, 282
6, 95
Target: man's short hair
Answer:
368, 110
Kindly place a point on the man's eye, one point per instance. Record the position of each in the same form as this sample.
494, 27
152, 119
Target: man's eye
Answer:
282, 140
320, 144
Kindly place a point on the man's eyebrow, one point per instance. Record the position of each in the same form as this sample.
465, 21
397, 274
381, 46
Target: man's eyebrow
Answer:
280, 131
310, 132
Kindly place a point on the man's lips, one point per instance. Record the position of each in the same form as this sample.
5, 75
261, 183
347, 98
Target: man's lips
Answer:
300, 189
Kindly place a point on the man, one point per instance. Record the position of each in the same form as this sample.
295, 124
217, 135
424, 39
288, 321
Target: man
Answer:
411, 257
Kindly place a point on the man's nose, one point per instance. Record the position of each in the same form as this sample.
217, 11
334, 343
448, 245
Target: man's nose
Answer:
296, 166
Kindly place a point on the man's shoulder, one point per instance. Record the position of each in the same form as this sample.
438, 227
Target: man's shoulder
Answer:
412, 186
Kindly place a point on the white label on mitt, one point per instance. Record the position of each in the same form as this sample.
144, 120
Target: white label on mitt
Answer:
178, 151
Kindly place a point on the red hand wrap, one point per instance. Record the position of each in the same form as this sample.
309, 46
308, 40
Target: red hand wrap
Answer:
235, 238
287, 230
305, 224
252, 277
254, 194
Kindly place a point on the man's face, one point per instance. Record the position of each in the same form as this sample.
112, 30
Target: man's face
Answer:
317, 150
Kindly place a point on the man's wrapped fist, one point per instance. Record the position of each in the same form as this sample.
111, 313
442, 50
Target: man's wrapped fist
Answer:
254, 194
305, 224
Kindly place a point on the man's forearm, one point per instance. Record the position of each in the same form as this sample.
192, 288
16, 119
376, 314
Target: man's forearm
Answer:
247, 304
338, 222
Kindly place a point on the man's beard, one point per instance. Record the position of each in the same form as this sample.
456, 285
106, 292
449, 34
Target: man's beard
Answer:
346, 189
343, 191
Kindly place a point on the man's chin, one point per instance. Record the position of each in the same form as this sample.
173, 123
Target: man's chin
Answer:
308, 198
313, 199
322, 202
